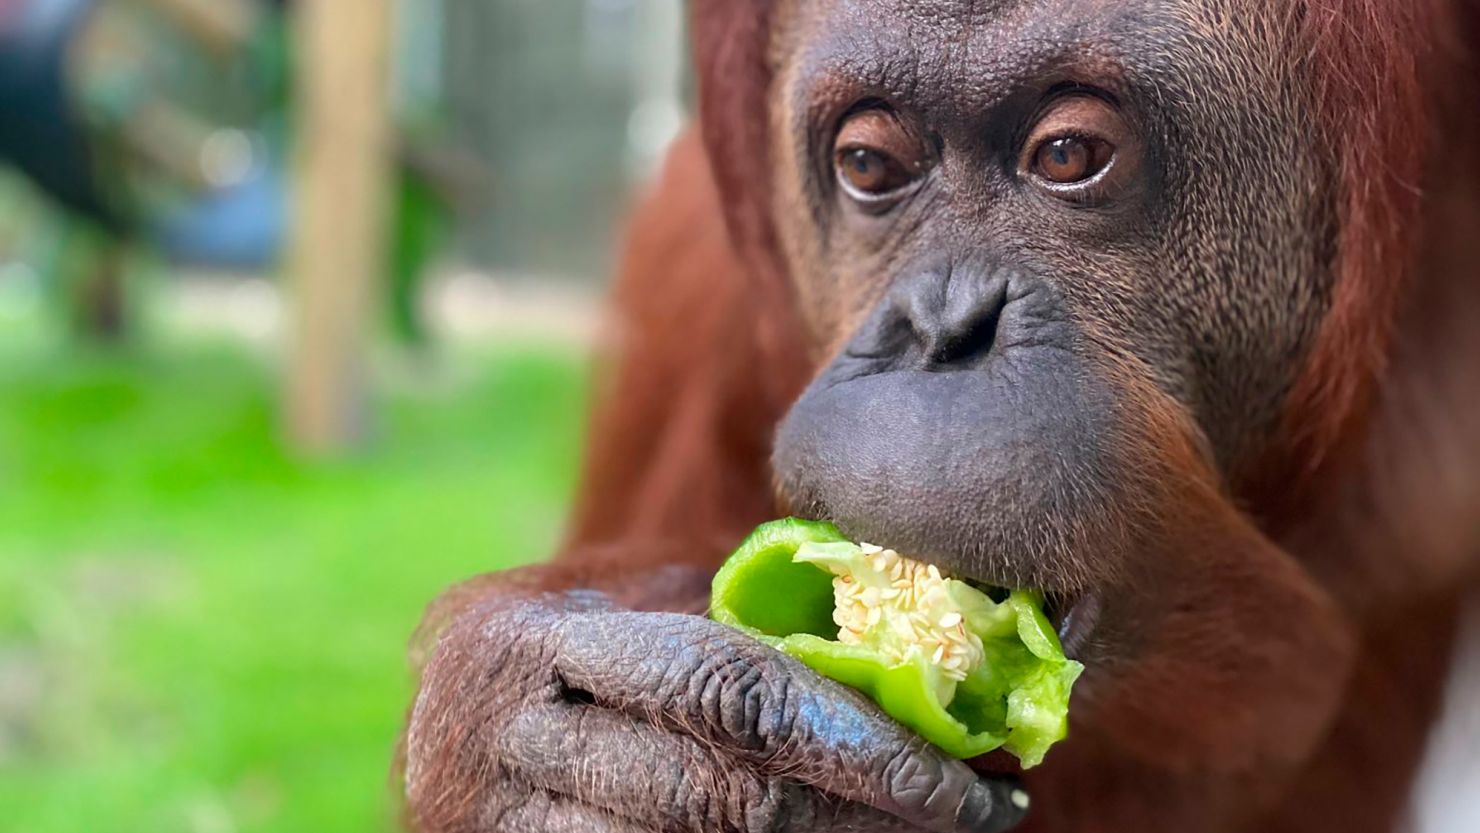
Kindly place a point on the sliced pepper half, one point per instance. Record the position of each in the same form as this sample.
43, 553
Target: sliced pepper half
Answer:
1000, 680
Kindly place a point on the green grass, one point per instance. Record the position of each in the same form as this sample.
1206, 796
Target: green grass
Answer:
199, 632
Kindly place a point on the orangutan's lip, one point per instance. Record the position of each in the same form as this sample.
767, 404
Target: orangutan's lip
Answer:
1075, 618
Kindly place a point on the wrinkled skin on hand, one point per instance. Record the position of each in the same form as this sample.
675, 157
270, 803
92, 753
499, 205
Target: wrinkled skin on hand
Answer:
566, 712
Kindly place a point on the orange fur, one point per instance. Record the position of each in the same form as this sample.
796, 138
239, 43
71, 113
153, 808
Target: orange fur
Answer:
1371, 63
1376, 538
710, 362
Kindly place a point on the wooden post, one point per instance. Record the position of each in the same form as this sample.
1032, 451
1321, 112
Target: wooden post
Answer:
342, 174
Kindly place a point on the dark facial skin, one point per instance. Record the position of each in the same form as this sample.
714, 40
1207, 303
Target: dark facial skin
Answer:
1084, 196
1058, 261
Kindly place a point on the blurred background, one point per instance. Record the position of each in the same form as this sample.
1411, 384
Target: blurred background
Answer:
295, 299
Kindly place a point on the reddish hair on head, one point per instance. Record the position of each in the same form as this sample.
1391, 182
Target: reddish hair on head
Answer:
1370, 62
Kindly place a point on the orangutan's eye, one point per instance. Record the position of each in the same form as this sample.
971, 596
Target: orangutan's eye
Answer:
1071, 159
871, 172
1081, 150
876, 156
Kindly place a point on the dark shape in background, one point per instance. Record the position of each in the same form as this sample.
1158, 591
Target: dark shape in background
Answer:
41, 132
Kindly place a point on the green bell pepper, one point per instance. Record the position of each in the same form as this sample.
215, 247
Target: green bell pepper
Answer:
1009, 689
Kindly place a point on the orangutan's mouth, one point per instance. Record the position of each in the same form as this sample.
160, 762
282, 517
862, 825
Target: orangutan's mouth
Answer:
1074, 618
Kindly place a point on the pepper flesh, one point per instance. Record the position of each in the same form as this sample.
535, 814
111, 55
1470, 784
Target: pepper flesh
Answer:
967, 673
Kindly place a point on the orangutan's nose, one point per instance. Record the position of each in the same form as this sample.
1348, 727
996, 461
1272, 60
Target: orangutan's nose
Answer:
952, 313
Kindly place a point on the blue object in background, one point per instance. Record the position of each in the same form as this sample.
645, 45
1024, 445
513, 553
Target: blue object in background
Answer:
240, 226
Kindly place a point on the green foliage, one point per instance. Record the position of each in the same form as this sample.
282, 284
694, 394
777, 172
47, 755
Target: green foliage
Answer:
199, 632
